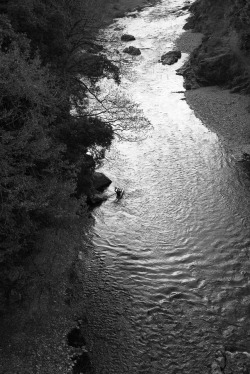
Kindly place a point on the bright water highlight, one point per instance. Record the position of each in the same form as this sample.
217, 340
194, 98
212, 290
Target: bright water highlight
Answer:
179, 239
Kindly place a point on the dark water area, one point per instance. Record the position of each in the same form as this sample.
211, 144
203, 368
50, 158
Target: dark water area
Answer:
179, 239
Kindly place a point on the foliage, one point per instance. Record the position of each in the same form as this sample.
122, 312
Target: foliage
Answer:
42, 145
30, 162
48, 137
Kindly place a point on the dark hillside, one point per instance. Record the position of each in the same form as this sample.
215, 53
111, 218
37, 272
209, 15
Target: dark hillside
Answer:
223, 58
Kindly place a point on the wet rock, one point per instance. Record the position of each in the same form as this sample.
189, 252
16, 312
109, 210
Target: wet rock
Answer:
132, 51
127, 38
171, 57
100, 181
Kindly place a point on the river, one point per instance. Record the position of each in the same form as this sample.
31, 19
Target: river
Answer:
179, 239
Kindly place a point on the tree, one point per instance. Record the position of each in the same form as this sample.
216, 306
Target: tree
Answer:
31, 163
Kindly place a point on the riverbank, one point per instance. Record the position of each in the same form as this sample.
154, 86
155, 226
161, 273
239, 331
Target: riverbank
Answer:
212, 92
223, 112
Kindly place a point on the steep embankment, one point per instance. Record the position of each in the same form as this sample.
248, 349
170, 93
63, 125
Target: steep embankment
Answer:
223, 58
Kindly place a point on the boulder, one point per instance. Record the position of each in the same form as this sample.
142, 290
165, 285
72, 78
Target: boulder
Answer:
218, 69
127, 38
100, 181
170, 58
132, 51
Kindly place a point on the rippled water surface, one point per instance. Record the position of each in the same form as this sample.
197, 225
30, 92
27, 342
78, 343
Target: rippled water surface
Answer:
179, 239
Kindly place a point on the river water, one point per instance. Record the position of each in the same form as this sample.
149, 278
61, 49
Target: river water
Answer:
179, 239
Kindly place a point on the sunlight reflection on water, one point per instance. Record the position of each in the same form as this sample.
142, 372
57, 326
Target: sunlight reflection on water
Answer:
179, 238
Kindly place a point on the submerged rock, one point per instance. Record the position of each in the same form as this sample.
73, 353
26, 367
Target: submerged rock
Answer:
127, 38
171, 57
132, 51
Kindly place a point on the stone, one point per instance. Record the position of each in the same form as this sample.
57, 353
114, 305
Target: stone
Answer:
218, 69
100, 181
171, 57
132, 51
127, 38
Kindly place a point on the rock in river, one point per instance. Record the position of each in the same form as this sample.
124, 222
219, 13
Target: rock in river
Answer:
132, 51
170, 58
127, 38
100, 181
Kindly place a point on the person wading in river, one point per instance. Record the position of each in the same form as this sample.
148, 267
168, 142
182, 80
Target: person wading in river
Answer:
118, 192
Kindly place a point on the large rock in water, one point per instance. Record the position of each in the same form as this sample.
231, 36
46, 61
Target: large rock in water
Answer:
132, 51
100, 181
127, 38
170, 58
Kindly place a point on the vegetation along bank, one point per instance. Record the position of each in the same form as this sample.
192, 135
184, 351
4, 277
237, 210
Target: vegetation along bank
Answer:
51, 145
